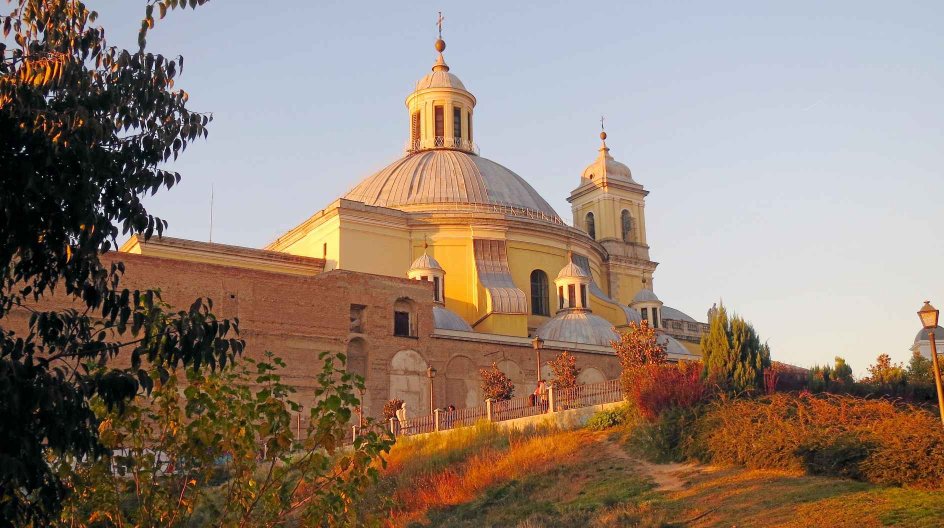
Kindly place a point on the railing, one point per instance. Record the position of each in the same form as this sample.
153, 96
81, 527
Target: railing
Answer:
519, 408
499, 411
461, 417
587, 395
442, 142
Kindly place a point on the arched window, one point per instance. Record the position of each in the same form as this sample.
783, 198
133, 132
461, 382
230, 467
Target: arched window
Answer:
591, 226
540, 305
627, 223
404, 318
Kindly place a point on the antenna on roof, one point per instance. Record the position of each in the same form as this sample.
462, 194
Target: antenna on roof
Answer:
211, 212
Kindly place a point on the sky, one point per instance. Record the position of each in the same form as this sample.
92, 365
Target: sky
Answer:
793, 150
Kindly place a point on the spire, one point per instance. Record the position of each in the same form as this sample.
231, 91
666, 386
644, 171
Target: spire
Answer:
440, 47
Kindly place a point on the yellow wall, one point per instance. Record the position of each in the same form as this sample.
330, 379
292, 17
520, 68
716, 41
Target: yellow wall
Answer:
504, 324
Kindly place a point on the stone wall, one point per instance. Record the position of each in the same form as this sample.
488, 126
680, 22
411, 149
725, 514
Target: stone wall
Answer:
297, 317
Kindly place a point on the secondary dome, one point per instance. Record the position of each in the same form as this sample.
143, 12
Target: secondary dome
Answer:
645, 295
444, 176
923, 335
578, 327
607, 168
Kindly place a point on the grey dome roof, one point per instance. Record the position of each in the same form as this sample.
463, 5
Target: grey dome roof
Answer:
425, 262
572, 270
677, 315
672, 346
923, 335
439, 79
446, 319
578, 327
645, 295
448, 176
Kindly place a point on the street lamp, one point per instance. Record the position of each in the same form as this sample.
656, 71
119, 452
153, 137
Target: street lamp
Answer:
538, 344
928, 316
431, 373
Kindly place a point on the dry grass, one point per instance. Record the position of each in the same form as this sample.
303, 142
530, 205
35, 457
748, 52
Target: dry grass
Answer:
878, 441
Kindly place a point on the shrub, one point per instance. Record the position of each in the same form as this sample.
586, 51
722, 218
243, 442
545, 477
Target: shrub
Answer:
495, 384
391, 407
665, 439
654, 388
565, 370
609, 418
639, 346
875, 440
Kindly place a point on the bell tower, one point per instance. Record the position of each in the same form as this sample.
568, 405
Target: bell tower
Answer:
610, 207
440, 109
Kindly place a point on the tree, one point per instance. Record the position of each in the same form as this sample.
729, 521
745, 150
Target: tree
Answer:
565, 370
639, 346
734, 357
223, 450
842, 372
87, 129
889, 376
495, 384
920, 370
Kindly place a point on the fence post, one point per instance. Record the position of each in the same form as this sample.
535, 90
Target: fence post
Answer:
550, 399
488, 409
436, 418
353, 433
393, 427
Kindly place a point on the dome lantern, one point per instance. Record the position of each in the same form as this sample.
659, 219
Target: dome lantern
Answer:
426, 268
440, 109
572, 284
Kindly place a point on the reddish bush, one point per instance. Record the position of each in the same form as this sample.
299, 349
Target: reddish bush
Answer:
654, 388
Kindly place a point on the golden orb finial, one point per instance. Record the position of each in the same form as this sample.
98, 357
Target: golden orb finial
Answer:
440, 45
603, 136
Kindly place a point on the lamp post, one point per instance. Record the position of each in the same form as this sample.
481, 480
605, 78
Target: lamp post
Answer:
928, 315
538, 344
431, 373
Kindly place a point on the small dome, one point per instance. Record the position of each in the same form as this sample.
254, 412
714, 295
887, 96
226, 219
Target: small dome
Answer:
446, 319
645, 295
426, 262
573, 271
672, 346
677, 315
606, 165
439, 79
923, 335
578, 327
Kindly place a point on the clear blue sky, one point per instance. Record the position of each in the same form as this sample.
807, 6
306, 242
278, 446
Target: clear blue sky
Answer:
793, 150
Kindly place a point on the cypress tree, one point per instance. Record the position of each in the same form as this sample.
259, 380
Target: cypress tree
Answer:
734, 357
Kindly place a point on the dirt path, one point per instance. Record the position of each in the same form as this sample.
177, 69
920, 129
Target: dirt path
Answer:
668, 477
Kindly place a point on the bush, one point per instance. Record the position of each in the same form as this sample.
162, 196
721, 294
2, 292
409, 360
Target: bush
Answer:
655, 388
878, 441
609, 418
666, 438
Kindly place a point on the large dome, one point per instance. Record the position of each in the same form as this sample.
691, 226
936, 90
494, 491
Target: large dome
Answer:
444, 176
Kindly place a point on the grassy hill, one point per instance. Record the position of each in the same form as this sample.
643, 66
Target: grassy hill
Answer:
482, 477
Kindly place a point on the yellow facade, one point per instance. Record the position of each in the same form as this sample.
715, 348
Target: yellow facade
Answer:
486, 227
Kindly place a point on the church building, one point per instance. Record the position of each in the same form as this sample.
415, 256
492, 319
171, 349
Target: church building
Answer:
439, 264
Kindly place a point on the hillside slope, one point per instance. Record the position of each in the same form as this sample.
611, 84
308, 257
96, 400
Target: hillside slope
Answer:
485, 478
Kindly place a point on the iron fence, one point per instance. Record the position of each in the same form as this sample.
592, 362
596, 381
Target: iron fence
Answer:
587, 395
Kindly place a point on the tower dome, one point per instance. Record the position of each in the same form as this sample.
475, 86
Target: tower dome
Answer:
606, 168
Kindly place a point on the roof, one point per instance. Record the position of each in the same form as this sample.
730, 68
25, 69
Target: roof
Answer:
425, 262
645, 295
439, 79
923, 334
606, 166
446, 319
672, 347
441, 176
572, 270
676, 315
578, 327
